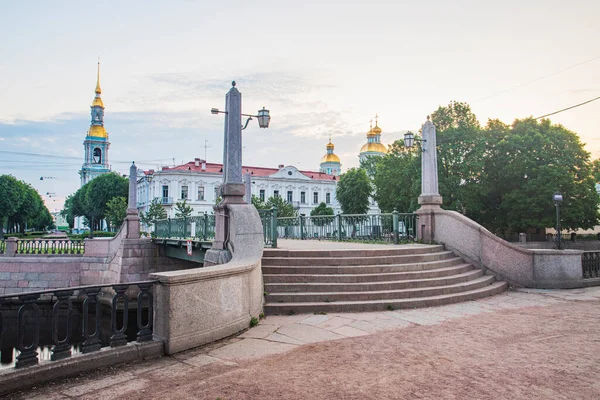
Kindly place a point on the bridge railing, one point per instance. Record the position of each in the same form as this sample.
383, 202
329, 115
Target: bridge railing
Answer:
590, 263
50, 246
2, 245
66, 304
389, 227
200, 227
268, 218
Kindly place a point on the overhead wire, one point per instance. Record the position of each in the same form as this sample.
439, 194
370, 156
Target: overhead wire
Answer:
568, 108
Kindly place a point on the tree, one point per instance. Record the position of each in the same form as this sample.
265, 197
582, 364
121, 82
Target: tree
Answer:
323, 211
67, 211
155, 212
11, 197
182, 210
116, 211
353, 191
284, 209
258, 203
397, 178
596, 170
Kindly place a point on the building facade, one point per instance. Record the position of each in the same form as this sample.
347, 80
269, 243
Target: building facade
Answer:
199, 182
96, 145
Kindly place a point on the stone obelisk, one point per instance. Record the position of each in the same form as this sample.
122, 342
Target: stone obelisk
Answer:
430, 199
132, 219
233, 188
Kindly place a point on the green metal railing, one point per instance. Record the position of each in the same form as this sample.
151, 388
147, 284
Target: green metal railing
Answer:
269, 224
200, 227
391, 227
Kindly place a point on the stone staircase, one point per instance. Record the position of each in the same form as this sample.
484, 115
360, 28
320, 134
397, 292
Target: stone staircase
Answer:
308, 281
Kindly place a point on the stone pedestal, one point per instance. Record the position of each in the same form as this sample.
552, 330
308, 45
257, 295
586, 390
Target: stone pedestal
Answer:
133, 224
426, 222
430, 199
11, 246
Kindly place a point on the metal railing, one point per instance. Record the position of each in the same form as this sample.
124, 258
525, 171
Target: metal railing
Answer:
590, 263
50, 246
29, 319
200, 227
391, 227
2, 245
269, 224
167, 200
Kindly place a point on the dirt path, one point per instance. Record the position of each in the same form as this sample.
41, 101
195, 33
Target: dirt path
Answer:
548, 352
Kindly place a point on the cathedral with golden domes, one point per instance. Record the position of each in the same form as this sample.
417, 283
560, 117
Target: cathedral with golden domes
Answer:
330, 163
373, 147
96, 142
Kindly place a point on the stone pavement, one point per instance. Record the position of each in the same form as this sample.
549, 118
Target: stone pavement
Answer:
282, 334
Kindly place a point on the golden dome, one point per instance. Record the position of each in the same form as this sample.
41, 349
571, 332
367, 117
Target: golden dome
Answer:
330, 145
376, 130
330, 158
98, 131
374, 147
97, 102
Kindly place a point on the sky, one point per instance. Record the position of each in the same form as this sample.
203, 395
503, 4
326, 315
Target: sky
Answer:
323, 68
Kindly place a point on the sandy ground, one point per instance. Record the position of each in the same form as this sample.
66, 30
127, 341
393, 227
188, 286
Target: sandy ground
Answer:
549, 351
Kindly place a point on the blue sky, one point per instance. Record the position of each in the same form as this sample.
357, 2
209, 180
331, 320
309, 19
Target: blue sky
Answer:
322, 67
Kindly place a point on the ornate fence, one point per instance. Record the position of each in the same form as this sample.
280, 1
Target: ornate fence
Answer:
590, 263
29, 319
269, 224
200, 227
50, 246
392, 227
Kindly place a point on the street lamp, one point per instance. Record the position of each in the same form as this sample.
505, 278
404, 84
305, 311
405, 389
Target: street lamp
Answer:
558, 198
262, 116
409, 140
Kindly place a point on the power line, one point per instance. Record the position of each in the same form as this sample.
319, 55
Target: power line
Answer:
18, 153
537, 79
568, 108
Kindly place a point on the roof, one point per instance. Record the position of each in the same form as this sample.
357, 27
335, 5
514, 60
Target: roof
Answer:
255, 171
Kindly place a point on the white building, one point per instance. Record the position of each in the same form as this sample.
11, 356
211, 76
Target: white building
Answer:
199, 183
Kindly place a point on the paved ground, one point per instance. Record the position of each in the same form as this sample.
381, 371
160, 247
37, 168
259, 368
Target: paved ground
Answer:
519, 345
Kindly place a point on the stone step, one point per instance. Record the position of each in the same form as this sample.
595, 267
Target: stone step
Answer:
364, 278
382, 305
391, 251
330, 297
316, 287
360, 269
372, 260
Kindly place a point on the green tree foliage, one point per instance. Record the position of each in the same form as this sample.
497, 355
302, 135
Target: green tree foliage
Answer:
258, 203
90, 201
397, 178
596, 170
322, 210
502, 176
353, 191
183, 210
116, 211
155, 212
284, 209
67, 211
21, 206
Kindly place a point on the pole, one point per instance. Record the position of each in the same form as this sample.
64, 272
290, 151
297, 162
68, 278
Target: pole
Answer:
559, 245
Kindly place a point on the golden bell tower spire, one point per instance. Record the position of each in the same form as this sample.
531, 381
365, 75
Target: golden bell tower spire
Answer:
98, 90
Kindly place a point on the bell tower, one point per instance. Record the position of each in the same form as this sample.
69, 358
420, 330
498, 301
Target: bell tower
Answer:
96, 142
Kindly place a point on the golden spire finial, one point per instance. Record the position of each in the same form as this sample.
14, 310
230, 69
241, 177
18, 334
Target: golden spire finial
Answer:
376, 118
98, 90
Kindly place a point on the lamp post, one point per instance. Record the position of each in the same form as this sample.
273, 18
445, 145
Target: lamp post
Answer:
558, 198
233, 187
409, 140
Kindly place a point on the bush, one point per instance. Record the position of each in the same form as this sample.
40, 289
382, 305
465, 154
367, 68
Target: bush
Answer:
79, 236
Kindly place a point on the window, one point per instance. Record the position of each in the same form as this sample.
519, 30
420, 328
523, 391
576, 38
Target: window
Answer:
328, 198
217, 192
262, 194
200, 192
289, 196
303, 197
275, 193
184, 192
165, 191
97, 156
316, 198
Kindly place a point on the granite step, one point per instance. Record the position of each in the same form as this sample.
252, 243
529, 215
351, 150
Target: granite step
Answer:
365, 277
387, 304
330, 297
347, 261
317, 287
361, 269
392, 250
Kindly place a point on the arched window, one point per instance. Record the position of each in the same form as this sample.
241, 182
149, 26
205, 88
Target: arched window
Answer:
97, 156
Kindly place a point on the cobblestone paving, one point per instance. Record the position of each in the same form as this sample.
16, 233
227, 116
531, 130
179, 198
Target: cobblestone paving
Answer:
265, 361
